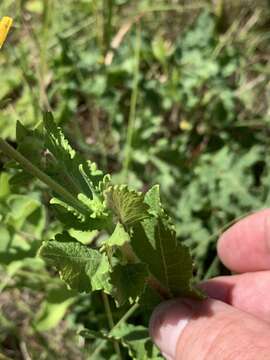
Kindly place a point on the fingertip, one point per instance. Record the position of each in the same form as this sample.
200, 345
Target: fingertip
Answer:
167, 323
185, 328
246, 245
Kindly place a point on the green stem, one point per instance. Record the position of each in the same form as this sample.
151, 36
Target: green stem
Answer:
127, 315
133, 105
121, 321
108, 9
211, 269
226, 226
33, 170
111, 323
43, 47
99, 23
216, 260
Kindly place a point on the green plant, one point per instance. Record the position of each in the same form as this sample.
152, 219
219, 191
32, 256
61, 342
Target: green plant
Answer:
135, 256
188, 81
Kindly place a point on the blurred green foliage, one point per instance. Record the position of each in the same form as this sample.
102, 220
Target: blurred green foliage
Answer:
168, 92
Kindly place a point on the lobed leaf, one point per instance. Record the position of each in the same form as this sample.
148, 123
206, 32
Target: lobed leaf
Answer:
152, 199
127, 205
169, 261
119, 236
81, 268
128, 282
133, 337
80, 175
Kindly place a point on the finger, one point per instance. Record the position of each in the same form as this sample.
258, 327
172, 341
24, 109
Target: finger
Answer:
248, 292
209, 330
246, 245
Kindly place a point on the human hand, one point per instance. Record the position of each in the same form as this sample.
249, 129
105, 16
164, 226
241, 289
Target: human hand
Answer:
234, 322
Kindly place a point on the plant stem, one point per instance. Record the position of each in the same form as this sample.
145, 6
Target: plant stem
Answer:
133, 105
108, 10
43, 47
33, 170
226, 226
127, 315
211, 269
111, 322
122, 320
99, 23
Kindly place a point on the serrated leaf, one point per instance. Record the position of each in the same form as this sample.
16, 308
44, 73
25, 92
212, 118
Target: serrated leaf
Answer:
119, 236
128, 282
152, 199
133, 337
127, 205
149, 299
169, 261
81, 268
92, 334
71, 218
80, 177
99, 273
95, 205
30, 143
136, 339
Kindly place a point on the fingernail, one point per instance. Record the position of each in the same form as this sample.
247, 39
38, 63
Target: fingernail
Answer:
167, 323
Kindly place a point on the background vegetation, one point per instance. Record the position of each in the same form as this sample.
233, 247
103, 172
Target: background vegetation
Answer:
168, 92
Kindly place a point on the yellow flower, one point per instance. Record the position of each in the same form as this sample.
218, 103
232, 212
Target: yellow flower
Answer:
5, 25
185, 125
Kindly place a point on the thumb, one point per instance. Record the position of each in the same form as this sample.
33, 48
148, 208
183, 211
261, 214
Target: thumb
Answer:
209, 329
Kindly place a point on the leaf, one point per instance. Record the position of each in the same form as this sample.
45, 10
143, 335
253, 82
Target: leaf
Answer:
71, 218
169, 261
14, 247
98, 271
53, 308
80, 175
150, 299
152, 199
133, 337
84, 237
119, 236
128, 282
92, 334
21, 207
4, 185
30, 143
81, 268
81, 178
136, 339
95, 205
127, 205
161, 49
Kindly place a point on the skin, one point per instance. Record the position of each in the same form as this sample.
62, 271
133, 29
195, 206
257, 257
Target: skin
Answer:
234, 322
